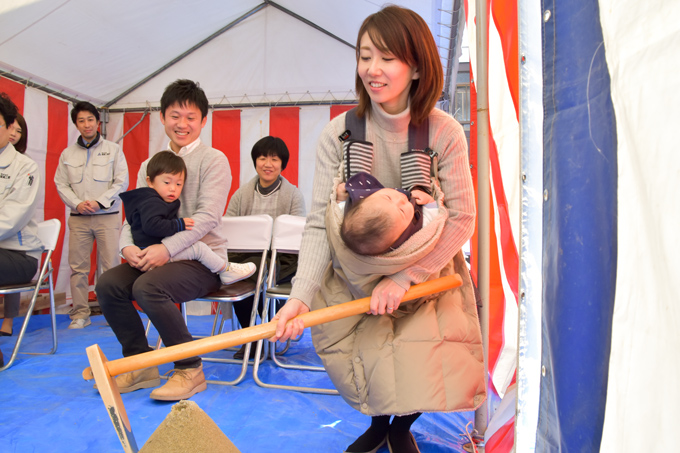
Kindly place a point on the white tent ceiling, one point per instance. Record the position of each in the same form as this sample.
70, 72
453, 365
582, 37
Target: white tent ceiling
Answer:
122, 54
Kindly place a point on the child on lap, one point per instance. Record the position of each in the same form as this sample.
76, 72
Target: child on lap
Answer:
152, 215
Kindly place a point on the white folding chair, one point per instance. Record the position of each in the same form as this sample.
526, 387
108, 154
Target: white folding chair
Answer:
48, 232
246, 234
286, 239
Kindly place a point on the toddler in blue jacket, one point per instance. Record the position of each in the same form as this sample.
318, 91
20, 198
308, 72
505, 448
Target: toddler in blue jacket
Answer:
152, 215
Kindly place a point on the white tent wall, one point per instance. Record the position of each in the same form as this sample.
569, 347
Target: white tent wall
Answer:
254, 63
71, 38
643, 395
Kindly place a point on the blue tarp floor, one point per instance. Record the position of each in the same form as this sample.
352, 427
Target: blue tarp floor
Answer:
46, 406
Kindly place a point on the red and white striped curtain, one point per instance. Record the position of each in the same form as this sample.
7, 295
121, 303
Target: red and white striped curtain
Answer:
503, 86
233, 131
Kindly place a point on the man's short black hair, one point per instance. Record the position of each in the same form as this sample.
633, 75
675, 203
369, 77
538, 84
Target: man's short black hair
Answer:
271, 146
8, 110
83, 106
165, 162
184, 92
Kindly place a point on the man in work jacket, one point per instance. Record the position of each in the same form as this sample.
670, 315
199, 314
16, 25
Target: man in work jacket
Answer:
90, 177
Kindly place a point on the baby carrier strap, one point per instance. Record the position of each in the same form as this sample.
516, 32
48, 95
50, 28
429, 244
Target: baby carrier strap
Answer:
357, 152
416, 164
419, 136
355, 127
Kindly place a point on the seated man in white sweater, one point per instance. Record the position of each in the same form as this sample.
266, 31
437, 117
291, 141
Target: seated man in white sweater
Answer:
149, 277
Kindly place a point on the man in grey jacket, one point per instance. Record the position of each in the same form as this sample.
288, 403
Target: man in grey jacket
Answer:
90, 177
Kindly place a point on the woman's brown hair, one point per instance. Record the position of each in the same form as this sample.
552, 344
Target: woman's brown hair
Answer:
404, 34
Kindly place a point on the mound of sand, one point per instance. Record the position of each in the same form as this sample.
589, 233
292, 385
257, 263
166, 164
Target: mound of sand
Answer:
188, 429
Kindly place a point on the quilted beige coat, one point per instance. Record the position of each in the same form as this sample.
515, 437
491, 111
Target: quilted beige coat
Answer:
425, 357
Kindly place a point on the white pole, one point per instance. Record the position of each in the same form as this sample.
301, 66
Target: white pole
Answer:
483, 195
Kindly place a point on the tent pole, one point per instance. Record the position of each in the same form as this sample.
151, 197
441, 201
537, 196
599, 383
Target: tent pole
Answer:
308, 22
483, 196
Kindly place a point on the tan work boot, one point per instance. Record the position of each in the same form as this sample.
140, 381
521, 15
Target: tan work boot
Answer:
140, 379
181, 385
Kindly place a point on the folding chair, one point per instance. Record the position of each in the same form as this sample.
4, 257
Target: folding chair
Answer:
247, 234
286, 239
48, 232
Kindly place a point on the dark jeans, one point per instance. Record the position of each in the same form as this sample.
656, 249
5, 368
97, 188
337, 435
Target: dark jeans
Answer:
15, 267
156, 292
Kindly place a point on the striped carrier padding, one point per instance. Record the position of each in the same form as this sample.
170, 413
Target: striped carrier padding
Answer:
358, 157
416, 164
415, 170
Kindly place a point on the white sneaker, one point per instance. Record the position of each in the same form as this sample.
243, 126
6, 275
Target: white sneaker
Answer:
79, 323
236, 272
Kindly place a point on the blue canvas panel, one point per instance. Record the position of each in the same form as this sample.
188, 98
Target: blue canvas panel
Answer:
579, 228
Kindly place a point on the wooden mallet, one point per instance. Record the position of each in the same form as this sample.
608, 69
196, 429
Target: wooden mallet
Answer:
104, 371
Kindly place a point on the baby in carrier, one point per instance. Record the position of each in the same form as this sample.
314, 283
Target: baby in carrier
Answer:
378, 219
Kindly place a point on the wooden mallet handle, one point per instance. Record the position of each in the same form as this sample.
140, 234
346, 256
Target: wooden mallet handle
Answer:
261, 331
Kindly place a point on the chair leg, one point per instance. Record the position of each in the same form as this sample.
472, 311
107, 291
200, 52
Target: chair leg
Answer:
256, 367
53, 319
217, 315
244, 362
285, 349
246, 358
53, 316
22, 332
221, 308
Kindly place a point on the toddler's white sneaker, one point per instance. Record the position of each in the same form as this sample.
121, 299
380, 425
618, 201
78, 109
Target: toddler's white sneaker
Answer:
236, 272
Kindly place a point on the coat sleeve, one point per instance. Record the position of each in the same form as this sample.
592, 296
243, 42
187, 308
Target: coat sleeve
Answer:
234, 208
18, 207
154, 222
119, 183
315, 251
61, 181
